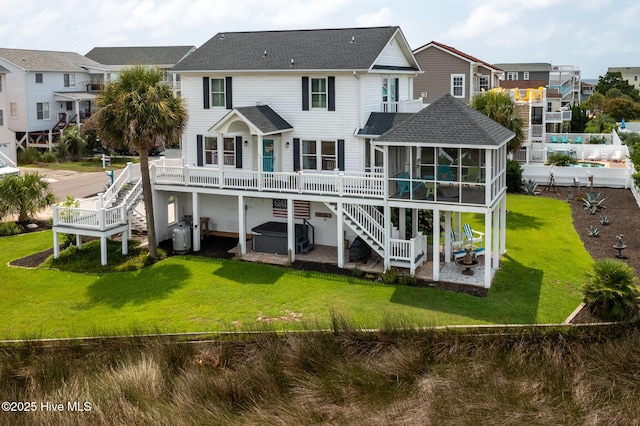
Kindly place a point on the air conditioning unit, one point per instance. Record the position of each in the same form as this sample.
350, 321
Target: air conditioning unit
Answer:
423, 95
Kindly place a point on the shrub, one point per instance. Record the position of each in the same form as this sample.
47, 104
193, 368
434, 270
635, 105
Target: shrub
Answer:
561, 160
514, 176
29, 156
530, 187
9, 228
390, 276
357, 272
611, 290
49, 157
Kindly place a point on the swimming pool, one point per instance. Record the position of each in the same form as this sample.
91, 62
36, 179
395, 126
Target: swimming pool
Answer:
588, 164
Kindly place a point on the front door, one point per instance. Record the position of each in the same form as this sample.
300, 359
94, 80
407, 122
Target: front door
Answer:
267, 155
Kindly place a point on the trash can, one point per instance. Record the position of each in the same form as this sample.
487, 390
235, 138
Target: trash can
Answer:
181, 238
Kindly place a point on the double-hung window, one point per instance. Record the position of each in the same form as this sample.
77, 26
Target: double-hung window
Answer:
483, 83
0, 83
319, 155
318, 93
39, 78
525, 75
13, 109
211, 150
217, 92
69, 80
1, 117
512, 76
457, 85
42, 111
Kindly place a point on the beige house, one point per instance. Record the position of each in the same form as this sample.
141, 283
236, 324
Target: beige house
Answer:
631, 74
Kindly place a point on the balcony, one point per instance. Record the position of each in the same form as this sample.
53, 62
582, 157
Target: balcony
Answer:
557, 117
413, 105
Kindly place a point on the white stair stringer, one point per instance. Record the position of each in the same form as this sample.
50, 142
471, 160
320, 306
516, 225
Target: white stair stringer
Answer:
366, 221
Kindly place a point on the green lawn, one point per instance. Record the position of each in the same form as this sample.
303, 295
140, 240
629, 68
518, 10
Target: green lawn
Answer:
87, 165
538, 283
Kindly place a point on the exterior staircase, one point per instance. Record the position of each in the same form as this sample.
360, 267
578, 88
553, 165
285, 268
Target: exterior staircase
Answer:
368, 223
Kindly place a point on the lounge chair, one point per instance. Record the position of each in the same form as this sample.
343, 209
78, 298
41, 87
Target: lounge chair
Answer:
617, 156
594, 156
404, 184
474, 236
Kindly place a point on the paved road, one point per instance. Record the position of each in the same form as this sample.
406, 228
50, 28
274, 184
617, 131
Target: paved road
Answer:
76, 184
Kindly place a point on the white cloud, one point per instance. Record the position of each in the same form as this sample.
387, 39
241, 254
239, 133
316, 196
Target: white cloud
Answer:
382, 17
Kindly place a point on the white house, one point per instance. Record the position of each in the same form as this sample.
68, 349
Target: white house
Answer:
312, 137
43, 91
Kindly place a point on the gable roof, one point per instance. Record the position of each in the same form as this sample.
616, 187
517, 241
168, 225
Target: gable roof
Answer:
321, 49
265, 120
448, 121
456, 52
149, 55
46, 60
380, 122
524, 66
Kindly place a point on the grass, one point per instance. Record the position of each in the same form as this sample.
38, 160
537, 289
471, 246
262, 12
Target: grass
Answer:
393, 376
537, 283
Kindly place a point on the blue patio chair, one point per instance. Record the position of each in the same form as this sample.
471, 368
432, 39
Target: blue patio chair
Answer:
564, 139
404, 184
578, 139
445, 172
554, 139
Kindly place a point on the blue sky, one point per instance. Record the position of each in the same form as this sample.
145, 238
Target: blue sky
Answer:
591, 34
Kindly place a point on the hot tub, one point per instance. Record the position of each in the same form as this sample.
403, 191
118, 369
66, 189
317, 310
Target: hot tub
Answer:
271, 237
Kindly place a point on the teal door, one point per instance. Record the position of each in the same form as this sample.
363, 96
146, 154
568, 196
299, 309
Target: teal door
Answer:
267, 155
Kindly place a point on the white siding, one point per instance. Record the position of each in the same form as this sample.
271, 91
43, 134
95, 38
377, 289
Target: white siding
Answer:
393, 55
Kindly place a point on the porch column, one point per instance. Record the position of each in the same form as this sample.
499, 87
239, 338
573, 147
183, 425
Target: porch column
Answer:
77, 112
414, 223
242, 226
196, 221
79, 241
447, 235
503, 225
495, 256
56, 244
488, 180
291, 231
125, 242
340, 228
402, 222
436, 244
103, 250
488, 255
387, 236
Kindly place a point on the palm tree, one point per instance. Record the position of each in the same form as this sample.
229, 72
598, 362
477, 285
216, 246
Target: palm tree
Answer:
499, 107
24, 195
73, 142
139, 111
611, 290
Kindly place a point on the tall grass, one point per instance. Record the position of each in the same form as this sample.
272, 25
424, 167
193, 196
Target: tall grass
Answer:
393, 376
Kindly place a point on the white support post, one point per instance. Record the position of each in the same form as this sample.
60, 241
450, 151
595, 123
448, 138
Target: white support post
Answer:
125, 243
387, 237
488, 237
340, 230
495, 250
79, 241
242, 227
414, 223
402, 225
447, 236
436, 244
196, 221
103, 250
503, 225
291, 231
56, 245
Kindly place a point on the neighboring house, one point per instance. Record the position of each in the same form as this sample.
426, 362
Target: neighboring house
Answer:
631, 74
563, 79
587, 89
162, 57
46, 91
450, 71
7, 138
302, 139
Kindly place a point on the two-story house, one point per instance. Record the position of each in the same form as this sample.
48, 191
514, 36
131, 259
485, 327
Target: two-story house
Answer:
448, 70
162, 57
45, 91
300, 139
7, 138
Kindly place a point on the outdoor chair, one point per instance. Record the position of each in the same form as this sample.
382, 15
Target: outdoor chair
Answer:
404, 184
474, 236
445, 172
595, 155
564, 139
554, 139
578, 139
617, 156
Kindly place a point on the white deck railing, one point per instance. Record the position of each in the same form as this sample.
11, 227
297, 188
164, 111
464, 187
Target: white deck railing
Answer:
340, 183
369, 219
409, 251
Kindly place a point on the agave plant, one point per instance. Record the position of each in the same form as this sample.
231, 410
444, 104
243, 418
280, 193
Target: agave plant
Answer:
531, 187
604, 220
593, 231
593, 202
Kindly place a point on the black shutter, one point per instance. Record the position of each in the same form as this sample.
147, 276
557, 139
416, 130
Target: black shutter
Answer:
331, 95
228, 93
341, 154
206, 92
238, 152
296, 154
305, 93
397, 93
200, 150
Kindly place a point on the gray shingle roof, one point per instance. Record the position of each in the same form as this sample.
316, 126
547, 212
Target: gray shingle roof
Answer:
149, 55
449, 121
45, 60
323, 49
380, 122
265, 119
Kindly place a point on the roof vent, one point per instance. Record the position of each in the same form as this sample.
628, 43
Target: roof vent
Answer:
292, 63
221, 36
353, 39
265, 53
